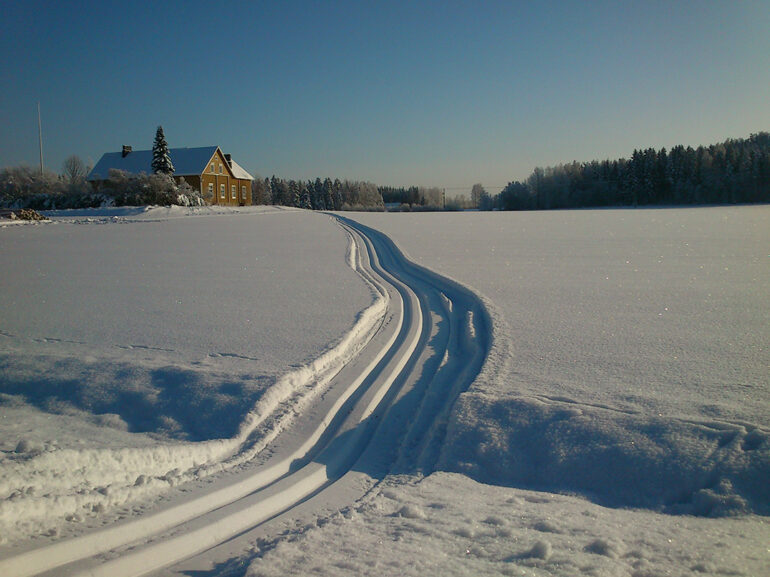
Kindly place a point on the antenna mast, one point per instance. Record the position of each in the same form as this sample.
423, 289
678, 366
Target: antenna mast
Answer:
40, 136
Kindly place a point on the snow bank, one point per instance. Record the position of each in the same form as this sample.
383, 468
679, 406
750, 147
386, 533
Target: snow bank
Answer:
699, 468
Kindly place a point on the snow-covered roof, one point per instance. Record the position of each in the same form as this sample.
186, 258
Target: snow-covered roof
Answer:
239, 172
187, 161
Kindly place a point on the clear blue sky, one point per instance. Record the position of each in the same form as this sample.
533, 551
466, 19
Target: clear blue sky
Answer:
430, 93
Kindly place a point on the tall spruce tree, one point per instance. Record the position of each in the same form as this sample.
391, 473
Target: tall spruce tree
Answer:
305, 197
294, 193
161, 157
328, 192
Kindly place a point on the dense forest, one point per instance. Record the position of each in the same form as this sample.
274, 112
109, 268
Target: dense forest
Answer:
414, 198
735, 171
351, 195
326, 194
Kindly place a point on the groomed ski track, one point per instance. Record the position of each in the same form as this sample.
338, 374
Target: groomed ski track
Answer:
384, 411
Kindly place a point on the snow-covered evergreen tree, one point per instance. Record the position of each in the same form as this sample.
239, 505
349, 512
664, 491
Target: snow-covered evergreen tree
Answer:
268, 192
305, 197
337, 189
328, 192
161, 158
294, 193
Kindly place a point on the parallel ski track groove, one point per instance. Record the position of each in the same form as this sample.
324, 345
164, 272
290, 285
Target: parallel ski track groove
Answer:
167, 537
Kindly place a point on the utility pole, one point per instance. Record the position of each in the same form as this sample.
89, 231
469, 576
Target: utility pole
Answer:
40, 136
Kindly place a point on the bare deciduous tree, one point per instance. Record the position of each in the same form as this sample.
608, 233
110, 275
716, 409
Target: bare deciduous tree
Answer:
74, 169
476, 194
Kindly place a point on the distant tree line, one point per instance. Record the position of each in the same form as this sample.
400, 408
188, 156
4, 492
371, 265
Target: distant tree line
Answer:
413, 198
734, 171
318, 194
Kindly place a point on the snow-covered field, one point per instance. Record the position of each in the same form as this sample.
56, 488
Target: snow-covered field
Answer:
634, 364
619, 425
112, 315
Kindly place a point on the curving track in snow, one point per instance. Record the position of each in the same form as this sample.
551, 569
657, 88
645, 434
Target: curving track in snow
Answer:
384, 411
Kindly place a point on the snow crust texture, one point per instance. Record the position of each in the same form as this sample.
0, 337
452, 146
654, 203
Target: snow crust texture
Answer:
447, 524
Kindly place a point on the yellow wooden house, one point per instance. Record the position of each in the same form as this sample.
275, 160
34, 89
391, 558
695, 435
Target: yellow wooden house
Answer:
218, 178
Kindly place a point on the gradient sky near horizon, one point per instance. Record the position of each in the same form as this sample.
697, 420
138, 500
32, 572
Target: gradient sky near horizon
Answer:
428, 93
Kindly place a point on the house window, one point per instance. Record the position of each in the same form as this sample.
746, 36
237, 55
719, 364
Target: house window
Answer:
232, 191
212, 168
220, 169
222, 191
243, 192
211, 190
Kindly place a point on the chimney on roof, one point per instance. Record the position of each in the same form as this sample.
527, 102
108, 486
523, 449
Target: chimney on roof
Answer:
229, 160
126, 150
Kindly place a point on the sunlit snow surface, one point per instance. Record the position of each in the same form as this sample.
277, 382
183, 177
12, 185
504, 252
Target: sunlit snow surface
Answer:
630, 366
629, 369
172, 324
652, 311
